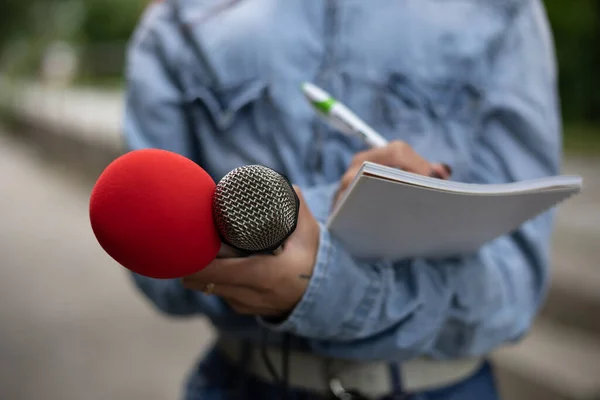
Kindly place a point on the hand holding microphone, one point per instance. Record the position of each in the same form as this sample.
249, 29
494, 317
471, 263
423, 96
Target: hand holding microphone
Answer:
265, 285
259, 213
160, 215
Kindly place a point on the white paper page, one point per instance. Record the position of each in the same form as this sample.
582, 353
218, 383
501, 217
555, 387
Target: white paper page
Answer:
379, 218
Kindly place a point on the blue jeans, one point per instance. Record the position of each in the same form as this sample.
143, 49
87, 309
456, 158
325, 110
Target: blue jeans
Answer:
217, 378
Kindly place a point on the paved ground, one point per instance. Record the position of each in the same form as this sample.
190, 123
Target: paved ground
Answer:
72, 327
576, 244
95, 115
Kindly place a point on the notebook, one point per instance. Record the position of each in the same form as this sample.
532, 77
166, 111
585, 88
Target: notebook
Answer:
393, 214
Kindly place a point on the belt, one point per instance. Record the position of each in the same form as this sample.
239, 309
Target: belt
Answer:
373, 379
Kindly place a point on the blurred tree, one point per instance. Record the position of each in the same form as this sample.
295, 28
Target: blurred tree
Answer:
576, 28
13, 19
25, 29
105, 28
110, 20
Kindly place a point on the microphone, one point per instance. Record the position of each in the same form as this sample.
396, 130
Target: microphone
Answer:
160, 215
255, 209
151, 211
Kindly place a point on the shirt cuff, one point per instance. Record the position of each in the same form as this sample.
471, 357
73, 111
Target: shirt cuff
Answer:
338, 299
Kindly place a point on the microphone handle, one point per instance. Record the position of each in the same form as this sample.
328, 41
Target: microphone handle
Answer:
229, 252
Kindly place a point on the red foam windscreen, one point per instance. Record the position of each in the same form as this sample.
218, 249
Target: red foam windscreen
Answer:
151, 211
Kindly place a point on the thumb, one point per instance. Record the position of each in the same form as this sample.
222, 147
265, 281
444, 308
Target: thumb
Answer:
306, 221
303, 208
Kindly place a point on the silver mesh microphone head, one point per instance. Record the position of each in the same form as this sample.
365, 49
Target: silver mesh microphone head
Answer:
255, 209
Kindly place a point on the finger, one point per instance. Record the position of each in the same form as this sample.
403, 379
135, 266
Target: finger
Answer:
245, 309
441, 171
376, 155
243, 300
253, 271
348, 177
379, 155
192, 283
306, 235
248, 296
303, 211
241, 295
403, 156
386, 155
397, 154
248, 299
345, 182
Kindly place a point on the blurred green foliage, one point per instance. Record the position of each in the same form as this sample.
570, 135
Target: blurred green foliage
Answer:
110, 20
576, 28
97, 29
582, 138
12, 18
82, 21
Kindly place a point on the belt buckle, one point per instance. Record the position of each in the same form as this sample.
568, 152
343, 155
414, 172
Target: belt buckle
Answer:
337, 391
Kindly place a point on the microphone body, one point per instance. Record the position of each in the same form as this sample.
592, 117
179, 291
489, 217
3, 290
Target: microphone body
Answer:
160, 215
227, 251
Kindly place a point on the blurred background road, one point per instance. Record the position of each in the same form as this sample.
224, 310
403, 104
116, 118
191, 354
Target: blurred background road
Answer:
73, 327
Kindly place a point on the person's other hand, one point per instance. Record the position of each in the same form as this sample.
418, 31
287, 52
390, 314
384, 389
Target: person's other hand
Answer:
396, 154
265, 285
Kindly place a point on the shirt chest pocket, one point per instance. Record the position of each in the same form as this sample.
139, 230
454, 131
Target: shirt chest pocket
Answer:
401, 109
438, 118
233, 125
228, 108
410, 109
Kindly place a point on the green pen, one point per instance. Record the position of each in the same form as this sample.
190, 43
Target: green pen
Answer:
340, 117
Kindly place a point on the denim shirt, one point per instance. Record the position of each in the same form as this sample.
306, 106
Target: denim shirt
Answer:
469, 83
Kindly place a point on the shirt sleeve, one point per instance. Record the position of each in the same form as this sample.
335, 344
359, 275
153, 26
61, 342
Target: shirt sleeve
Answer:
465, 305
154, 118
